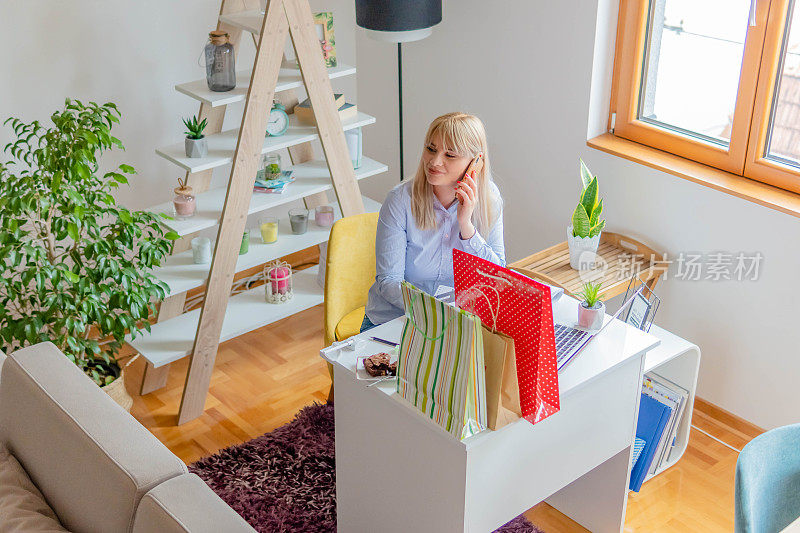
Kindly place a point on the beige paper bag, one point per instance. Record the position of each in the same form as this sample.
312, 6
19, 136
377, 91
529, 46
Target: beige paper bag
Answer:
502, 388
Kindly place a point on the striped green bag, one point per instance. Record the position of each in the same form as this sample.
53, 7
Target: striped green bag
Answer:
440, 367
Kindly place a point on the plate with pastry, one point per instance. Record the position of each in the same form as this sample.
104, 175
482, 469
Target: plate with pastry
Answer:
376, 367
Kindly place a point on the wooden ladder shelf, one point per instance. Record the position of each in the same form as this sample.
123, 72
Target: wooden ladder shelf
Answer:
282, 17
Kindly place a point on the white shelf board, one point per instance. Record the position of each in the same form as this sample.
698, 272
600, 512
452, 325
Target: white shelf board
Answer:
173, 339
246, 20
181, 274
221, 146
311, 177
289, 78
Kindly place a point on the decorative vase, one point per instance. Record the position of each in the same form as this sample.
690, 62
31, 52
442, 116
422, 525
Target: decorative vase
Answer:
354, 146
220, 62
116, 389
591, 317
196, 147
184, 203
582, 250
201, 250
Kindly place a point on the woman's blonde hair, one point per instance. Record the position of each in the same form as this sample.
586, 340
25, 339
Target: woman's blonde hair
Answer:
465, 135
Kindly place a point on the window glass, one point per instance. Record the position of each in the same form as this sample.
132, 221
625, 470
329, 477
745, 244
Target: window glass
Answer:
692, 63
784, 133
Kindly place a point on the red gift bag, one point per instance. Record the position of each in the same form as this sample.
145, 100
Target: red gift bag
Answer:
519, 307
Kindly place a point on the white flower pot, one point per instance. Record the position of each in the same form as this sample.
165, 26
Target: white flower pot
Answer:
196, 147
591, 318
582, 250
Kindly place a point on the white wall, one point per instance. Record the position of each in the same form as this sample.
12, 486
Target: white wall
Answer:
527, 71
133, 54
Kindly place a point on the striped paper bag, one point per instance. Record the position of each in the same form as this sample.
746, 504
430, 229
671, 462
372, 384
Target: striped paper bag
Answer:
440, 368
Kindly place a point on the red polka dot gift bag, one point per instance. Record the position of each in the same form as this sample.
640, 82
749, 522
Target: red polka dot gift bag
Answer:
514, 305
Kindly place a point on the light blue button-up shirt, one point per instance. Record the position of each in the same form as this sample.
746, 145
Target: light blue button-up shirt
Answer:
423, 258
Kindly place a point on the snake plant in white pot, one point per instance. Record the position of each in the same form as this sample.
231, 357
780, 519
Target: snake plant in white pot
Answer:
583, 235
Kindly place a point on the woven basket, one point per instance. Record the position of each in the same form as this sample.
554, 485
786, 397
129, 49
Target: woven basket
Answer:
116, 389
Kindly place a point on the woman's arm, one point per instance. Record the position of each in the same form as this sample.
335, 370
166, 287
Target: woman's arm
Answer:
390, 248
492, 248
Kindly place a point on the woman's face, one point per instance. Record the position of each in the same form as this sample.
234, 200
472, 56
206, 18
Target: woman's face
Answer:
442, 166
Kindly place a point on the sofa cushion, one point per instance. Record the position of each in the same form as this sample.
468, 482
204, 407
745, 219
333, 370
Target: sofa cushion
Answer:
22, 506
186, 503
90, 458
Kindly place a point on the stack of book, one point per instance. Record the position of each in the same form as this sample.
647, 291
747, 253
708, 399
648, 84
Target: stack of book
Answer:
660, 412
305, 113
272, 185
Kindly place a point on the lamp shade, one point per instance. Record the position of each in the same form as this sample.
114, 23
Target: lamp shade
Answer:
398, 21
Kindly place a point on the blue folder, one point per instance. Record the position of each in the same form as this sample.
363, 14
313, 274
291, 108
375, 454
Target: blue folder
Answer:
653, 418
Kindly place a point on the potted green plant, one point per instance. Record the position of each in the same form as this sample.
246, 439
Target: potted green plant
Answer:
583, 235
74, 266
195, 144
591, 310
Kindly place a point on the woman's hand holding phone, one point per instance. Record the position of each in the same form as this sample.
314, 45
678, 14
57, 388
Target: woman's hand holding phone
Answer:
467, 194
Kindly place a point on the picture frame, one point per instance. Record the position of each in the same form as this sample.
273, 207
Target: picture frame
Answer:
323, 22
644, 305
638, 311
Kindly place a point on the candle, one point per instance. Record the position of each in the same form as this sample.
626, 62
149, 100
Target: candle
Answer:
279, 279
245, 246
299, 221
201, 250
323, 216
184, 206
269, 229
278, 282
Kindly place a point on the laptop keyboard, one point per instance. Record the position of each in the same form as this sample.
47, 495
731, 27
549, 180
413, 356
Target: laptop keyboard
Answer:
568, 341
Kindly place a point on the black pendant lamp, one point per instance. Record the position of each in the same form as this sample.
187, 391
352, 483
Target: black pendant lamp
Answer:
398, 21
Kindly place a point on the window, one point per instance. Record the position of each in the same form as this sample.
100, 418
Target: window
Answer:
714, 81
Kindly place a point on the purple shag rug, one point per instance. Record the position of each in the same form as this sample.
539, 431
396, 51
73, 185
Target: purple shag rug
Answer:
286, 480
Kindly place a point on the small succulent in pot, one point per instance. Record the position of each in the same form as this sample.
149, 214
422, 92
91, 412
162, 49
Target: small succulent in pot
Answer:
195, 143
591, 310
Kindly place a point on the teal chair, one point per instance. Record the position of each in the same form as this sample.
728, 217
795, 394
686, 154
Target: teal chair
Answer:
768, 481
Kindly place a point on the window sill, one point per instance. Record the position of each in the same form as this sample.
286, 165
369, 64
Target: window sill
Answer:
747, 189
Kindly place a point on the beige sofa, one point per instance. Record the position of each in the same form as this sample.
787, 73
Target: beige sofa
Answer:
98, 469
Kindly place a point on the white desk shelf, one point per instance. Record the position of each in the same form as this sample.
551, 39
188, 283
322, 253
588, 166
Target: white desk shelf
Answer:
247, 20
311, 177
173, 339
289, 78
181, 274
221, 146
678, 360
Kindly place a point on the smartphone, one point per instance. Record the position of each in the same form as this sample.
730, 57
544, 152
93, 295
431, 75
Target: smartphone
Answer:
475, 166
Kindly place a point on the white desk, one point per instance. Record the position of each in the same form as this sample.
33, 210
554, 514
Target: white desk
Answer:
398, 471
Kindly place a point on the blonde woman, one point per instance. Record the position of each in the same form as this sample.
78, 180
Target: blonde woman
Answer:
441, 208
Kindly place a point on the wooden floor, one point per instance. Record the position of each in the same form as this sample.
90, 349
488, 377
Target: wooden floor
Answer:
263, 378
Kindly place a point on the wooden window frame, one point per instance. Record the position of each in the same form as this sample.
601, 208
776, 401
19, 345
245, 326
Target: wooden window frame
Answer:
744, 157
757, 165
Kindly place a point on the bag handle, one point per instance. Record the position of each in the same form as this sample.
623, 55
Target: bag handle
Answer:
410, 317
495, 312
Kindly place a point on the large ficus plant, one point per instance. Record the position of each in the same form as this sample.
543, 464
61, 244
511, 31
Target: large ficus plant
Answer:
74, 266
586, 217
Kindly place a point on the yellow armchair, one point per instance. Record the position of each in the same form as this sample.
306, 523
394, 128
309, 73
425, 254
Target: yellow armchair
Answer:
349, 273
